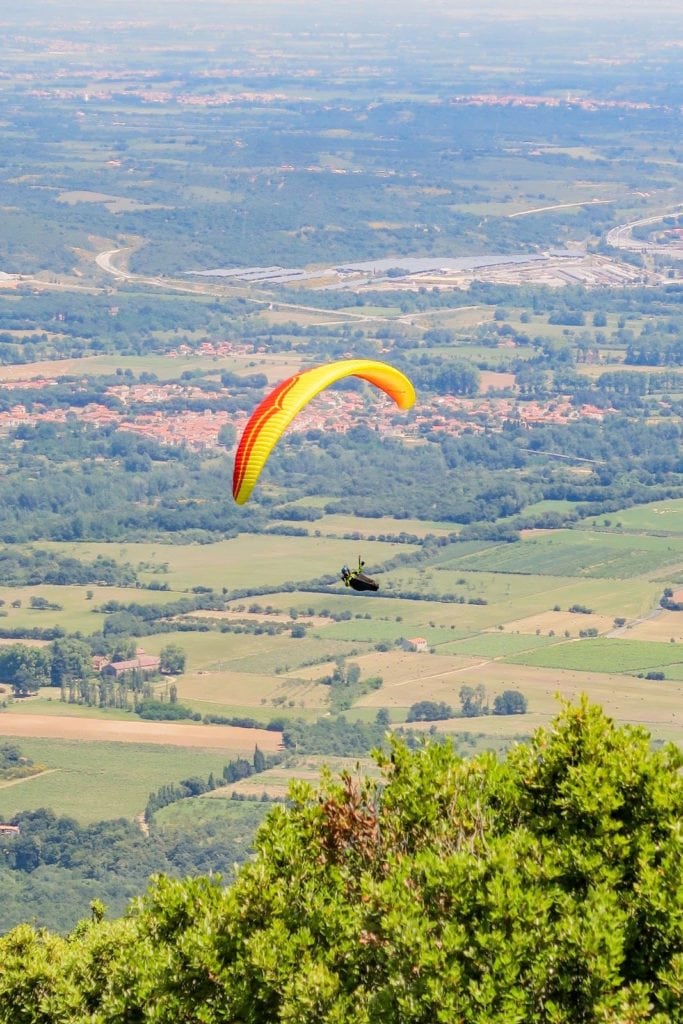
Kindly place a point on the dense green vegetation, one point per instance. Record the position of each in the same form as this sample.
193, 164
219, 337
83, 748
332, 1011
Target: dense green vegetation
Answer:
51, 872
543, 888
73, 483
54, 865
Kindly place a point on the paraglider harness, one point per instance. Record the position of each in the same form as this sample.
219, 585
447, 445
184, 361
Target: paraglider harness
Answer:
357, 579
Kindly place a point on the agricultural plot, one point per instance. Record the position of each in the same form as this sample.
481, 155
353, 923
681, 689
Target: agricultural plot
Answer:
336, 525
493, 645
133, 730
244, 815
656, 704
90, 781
236, 693
577, 553
75, 612
47, 701
274, 366
658, 516
388, 632
260, 560
398, 668
663, 626
559, 624
275, 781
248, 652
411, 614
510, 596
601, 654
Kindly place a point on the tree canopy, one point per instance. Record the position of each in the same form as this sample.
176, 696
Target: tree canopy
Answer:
543, 888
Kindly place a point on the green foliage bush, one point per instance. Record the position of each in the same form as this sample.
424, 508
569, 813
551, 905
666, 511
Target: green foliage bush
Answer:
510, 702
429, 711
163, 711
542, 890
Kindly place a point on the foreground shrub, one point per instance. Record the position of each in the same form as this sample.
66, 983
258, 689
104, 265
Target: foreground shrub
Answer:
545, 888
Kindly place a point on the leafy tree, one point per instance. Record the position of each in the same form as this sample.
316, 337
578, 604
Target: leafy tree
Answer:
545, 890
429, 711
510, 702
172, 659
472, 700
26, 669
71, 659
259, 760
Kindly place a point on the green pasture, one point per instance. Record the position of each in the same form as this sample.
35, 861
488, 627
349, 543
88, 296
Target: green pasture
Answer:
388, 617
249, 559
600, 654
247, 652
513, 595
91, 781
166, 368
338, 524
286, 706
438, 577
243, 815
463, 317
658, 516
77, 613
500, 358
298, 654
380, 311
674, 672
549, 505
495, 645
367, 631
378, 630
47, 702
577, 553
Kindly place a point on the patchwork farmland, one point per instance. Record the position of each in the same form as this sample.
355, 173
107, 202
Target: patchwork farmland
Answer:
556, 613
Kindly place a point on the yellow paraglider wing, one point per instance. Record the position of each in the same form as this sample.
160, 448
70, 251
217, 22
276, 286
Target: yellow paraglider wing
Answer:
272, 417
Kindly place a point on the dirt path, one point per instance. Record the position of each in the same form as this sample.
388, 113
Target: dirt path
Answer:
177, 734
5, 784
620, 630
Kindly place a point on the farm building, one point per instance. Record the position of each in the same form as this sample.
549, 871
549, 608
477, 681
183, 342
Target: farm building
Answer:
9, 830
416, 643
146, 664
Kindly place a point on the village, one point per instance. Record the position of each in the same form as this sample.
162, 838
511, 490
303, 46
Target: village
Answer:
332, 411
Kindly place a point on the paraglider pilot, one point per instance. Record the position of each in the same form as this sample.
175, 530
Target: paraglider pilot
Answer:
357, 579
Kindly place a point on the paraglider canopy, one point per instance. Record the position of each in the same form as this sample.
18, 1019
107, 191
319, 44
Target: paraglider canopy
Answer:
277, 410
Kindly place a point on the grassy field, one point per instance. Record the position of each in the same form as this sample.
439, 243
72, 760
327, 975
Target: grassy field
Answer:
601, 654
656, 704
659, 516
493, 645
91, 781
196, 811
578, 553
513, 595
77, 612
165, 368
338, 525
261, 560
